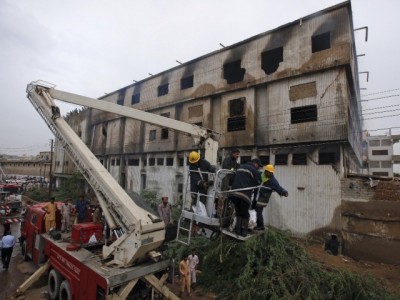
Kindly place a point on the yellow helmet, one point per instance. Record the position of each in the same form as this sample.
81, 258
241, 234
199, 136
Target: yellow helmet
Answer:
194, 157
269, 168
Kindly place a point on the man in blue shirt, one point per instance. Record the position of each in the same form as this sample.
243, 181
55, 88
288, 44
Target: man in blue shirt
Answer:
81, 209
8, 242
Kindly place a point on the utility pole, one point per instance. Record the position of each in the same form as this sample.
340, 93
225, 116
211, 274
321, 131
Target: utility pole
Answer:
51, 164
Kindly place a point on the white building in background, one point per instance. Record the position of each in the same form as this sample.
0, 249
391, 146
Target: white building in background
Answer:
380, 154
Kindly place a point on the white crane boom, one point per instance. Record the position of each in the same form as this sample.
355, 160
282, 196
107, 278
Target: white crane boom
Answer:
140, 231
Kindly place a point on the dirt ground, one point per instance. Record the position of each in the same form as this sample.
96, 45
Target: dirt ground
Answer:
391, 273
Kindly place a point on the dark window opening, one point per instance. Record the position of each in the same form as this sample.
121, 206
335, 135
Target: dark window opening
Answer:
264, 160
118, 162
102, 161
113, 162
270, 60
281, 159
152, 135
245, 159
186, 82
327, 158
236, 123
321, 42
303, 114
236, 107
199, 124
160, 161
164, 133
299, 159
133, 162
100, 294
180, 188
170, 161
144, 181
135, 98
163, 89
180, 161
152, 161
233, 72
121, 96
144, 162
104, 129
380, 152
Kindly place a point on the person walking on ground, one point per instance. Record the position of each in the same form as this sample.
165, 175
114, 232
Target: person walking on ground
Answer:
50, 218
193, 262
185, 275
247, 176
66, 210
164, 211
8, 243
81, 209
267, 180
199, 169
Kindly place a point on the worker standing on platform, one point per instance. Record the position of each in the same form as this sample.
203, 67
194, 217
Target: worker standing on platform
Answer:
247, 176
66, 210
81, 209
267, 180
199, 169
50, 218
230, 163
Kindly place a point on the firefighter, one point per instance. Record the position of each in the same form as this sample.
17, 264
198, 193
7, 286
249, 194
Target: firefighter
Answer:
230, 163
247, 176
199, 183
267, 180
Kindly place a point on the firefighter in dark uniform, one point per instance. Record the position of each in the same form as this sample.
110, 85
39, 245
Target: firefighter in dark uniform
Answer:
199, 183
247, 176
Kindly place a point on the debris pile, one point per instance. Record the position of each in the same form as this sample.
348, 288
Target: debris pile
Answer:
274, 266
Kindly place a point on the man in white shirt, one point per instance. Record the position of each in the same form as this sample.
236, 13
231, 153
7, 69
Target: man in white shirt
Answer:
193, 262
8, 242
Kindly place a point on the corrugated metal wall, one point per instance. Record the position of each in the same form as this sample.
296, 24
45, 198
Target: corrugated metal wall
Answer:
314, 200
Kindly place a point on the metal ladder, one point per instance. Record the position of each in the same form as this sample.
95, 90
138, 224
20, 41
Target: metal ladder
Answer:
184, 233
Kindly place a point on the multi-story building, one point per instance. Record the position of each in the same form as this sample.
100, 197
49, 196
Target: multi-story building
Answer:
380, 157
288, 95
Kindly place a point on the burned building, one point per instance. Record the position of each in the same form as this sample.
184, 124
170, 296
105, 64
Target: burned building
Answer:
288, 95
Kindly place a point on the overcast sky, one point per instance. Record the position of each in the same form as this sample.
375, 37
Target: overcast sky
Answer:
95, 46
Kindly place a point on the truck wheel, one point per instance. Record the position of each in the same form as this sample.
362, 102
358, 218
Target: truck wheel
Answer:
54, 283
65, 291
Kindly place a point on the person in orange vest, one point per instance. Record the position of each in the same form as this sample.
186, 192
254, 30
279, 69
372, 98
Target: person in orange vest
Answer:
185, 275
267, 180
50, 218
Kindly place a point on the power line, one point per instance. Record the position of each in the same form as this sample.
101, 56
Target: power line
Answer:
380, 92
372, 99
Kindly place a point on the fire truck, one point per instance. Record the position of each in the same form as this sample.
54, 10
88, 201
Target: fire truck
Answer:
81, 265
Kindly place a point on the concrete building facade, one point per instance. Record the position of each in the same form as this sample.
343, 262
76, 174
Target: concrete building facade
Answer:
289, 96
380, 154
